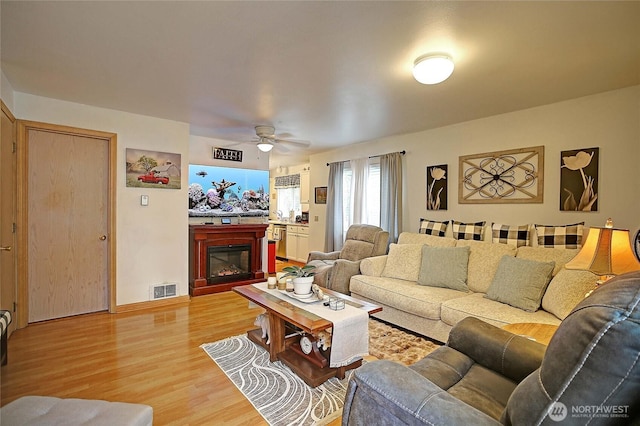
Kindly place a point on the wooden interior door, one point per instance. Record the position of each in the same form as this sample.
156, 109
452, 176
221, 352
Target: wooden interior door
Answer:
8, 287
68, 185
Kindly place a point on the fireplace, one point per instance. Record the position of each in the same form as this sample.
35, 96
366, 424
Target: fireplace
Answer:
224, 256
228, 263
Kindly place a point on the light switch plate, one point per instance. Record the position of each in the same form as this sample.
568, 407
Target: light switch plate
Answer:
144, 200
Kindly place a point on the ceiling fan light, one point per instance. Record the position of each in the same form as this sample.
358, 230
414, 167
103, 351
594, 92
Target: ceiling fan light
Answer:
265, 145
432, 68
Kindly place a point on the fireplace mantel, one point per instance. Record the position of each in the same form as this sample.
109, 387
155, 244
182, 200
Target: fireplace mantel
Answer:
203, 236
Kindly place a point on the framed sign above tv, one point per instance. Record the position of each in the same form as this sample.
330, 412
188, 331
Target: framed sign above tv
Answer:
227, 154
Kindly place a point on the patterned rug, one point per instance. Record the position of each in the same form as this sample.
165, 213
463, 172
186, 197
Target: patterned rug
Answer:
281, 397
387, 342
278, 394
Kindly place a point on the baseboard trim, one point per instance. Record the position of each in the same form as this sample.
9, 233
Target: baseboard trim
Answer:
172, 301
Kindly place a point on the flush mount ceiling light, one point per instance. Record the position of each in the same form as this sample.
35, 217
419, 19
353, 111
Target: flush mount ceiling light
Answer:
265, 145
432, 68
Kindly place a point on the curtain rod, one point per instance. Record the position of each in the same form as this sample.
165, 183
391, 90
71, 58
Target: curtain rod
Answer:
403, 152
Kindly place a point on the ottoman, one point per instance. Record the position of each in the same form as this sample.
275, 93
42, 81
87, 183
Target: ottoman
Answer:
46, 410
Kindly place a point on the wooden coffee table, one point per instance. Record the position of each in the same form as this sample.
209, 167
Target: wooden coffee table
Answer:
287, 349
541, 333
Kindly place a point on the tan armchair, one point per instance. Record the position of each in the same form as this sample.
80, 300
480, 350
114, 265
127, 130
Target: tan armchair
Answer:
335, 269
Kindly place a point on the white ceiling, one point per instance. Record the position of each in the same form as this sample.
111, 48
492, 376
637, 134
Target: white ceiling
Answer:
332, 73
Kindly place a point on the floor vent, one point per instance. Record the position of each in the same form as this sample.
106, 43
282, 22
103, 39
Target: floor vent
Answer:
162, 291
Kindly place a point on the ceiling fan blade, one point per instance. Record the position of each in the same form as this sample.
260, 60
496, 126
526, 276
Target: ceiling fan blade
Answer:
280, 148
294, 143
284, 136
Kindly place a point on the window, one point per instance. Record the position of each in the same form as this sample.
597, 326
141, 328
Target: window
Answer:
288, 195
288, 199
371, 198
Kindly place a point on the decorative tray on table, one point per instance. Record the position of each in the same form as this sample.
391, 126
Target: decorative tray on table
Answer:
307, 298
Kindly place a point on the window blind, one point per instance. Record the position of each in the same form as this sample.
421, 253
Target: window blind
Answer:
290, 181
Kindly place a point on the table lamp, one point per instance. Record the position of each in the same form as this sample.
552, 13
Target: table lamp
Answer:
606, 252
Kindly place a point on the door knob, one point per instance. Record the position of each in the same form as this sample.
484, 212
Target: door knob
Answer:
7, 248
103, 237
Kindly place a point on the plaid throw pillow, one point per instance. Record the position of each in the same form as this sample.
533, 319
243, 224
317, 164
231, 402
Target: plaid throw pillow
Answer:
513, 235
431, 227
565, 236
467, 231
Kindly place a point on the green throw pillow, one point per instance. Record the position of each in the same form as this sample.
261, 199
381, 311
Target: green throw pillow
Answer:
520, 282
444, 267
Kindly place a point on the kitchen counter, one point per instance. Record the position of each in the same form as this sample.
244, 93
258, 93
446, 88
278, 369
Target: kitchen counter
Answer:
279, 222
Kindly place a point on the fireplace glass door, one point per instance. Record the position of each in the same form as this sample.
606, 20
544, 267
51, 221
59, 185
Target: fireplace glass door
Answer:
228, 263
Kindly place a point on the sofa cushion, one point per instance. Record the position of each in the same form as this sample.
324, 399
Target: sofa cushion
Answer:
542, 254
468, 231
496, 313
515, 235
404, 295
430, 240
432, 227
479, 386
484, 259
403, 262
563, 236
444, 267
354, 250
566, 290
520, 282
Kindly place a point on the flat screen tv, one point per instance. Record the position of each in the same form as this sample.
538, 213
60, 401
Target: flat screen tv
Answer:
224, 191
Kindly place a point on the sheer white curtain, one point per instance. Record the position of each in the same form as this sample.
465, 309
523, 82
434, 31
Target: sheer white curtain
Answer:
359, 182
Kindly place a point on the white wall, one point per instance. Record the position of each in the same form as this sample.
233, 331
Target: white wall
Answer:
201, 152
152, 241
608, 120
6, 91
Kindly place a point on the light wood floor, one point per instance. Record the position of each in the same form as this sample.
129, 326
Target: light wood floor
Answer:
151, 356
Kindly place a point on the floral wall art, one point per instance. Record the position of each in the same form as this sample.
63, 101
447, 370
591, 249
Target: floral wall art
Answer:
437, 187
579, 180
511, 176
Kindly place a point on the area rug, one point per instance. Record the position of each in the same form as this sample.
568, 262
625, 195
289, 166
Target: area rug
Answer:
281, 397
278, 394
392, 343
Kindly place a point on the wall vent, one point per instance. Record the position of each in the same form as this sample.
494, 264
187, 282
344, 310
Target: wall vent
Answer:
162, 291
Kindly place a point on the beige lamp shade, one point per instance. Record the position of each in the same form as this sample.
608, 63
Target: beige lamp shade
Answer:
606, 251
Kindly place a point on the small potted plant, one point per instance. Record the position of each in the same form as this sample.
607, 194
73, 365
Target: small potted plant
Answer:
303, 278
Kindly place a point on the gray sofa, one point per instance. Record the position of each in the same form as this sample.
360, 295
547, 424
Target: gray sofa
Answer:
335, 269
392, 281
589, 374
48, 410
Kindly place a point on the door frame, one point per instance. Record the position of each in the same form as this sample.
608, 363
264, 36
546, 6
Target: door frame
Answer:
14, 257
24, 126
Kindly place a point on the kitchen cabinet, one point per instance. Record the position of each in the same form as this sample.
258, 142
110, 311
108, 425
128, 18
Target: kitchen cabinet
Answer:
305, 189
298, 243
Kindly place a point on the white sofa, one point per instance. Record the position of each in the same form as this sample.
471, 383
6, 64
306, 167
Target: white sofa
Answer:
392, 282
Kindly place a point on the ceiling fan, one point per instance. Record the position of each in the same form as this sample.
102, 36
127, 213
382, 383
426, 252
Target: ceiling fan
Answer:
267, 140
